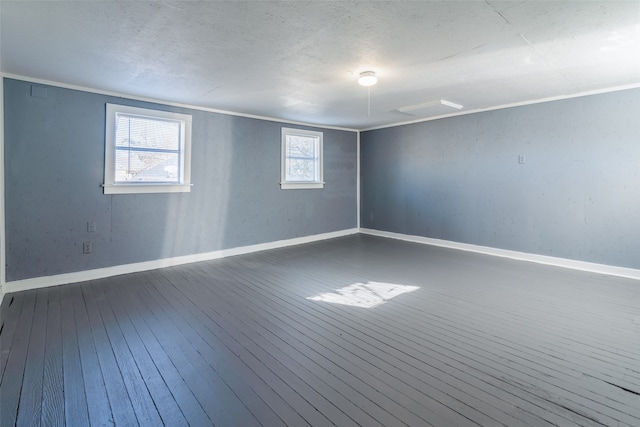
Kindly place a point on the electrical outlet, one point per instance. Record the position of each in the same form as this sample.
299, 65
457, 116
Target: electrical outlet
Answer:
91, 226
87, 247
522, 159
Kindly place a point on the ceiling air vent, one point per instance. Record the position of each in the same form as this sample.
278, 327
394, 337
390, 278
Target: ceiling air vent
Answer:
440, 106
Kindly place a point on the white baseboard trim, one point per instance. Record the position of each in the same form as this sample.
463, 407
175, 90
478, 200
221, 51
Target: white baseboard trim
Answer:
100, 273
629, 273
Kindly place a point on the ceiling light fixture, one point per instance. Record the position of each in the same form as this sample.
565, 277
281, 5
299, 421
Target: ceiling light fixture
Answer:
367, 78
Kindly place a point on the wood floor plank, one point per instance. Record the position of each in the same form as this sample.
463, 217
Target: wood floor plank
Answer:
4, 305
11, 385
52, 413
304, 413
570, 415
225, 408
121, 402
244, 388
488, 413
144, 408
526, 321
30, 405
403, 329
266, 405
542, 357
346, 414
11, 307
483, 341
76, 412
297, 321
537, 422
98, 405
476, 296
160, 392
537, 343
129, 311
460, 374
285, 412
431, 416
543, 366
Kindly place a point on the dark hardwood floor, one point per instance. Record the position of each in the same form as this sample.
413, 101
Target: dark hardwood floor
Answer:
238, 342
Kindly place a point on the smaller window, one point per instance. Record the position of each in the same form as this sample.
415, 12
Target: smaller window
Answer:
301, 159
146, 151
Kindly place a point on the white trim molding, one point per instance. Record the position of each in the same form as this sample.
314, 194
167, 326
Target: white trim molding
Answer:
510, 105
181, 139
101, 273
628, 273
358, 181
3, 230
317, 160
167, 102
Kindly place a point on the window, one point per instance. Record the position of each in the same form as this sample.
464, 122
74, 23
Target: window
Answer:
301, 159
146, 151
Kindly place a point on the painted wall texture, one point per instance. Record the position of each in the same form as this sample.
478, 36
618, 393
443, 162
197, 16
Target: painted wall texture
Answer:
577, 196
54, 165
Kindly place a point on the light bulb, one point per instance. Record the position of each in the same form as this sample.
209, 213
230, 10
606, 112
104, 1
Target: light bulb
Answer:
367, 78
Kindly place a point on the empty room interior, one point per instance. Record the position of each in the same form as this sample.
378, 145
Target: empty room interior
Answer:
320, 213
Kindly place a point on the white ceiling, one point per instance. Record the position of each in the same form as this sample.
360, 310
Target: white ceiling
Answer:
299, 61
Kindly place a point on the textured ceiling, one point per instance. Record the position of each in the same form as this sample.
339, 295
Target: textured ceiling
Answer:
299, 61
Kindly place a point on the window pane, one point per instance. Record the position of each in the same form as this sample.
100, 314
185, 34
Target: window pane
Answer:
147, 133
147, 166
149, 148
301, 146
302, 159
301, 165
301, 170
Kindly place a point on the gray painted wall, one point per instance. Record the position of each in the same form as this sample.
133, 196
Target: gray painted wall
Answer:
576, 197
54, 161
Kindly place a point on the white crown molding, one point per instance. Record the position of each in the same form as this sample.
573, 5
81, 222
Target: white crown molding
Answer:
167, 102
628, 273
292, 122
511, 105
100, 273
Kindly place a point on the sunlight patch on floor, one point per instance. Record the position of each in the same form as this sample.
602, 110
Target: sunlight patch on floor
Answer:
365, 295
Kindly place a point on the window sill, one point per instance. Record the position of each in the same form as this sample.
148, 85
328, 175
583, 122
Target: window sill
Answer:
300, 185
146, 188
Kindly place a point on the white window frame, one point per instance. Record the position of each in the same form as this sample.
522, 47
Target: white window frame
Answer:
292, 185
111, 187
